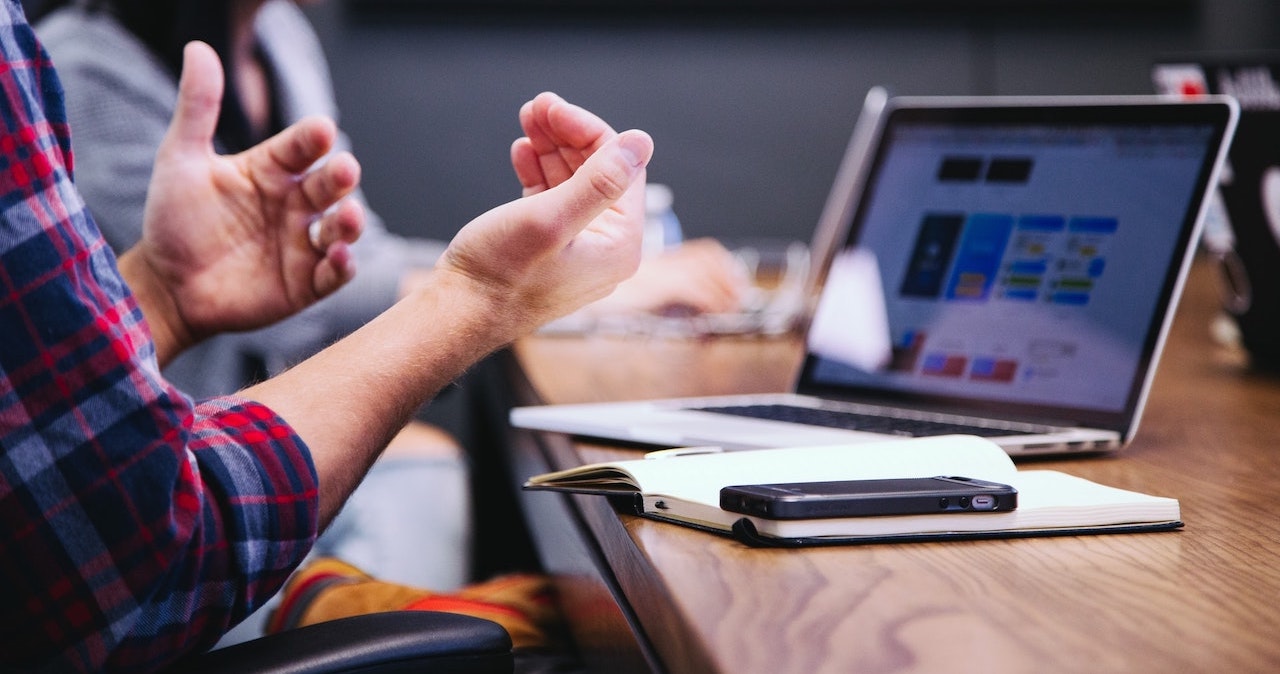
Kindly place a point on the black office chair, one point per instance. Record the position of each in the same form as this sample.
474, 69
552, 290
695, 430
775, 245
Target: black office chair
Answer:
395, 642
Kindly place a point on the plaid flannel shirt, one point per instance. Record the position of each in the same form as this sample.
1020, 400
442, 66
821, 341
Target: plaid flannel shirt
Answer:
136, 526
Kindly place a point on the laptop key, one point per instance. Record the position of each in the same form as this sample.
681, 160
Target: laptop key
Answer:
853, 421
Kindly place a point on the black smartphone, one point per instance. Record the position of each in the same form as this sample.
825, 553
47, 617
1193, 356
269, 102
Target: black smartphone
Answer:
864, 498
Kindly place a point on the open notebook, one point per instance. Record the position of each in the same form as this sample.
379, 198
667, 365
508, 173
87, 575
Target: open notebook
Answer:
1009, 269
686, 490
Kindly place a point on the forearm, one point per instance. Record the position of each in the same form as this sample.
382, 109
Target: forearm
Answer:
506, 272
349, 400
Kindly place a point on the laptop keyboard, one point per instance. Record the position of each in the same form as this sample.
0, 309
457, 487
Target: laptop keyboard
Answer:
854, 421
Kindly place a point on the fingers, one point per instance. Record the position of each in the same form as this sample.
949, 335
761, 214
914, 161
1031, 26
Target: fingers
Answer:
699, 276
713, 260
302, 144
332, 236
195, 117
199, 99
333, 180
553, 124
524, 159
334, 270
717, 297
709, 295
343, 225
559, 136
604, 179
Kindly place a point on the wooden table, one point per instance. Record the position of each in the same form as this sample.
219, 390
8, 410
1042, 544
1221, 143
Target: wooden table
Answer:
648, 596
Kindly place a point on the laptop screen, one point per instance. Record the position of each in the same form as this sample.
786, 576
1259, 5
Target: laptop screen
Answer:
1025, 257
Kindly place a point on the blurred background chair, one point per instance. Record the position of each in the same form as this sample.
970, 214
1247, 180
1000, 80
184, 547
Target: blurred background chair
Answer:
397, 642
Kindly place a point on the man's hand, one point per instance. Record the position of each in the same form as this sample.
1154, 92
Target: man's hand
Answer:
570, 240
576, 233
228, 241
700, 276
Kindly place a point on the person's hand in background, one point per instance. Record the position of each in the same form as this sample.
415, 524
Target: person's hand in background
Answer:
699, 276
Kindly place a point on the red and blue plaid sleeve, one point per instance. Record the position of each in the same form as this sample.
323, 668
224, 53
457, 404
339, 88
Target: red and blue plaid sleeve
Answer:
138, 526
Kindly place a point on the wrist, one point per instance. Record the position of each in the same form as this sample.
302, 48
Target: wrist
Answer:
484, 317
161, 311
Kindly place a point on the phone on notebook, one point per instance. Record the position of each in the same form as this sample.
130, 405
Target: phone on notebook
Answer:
865, 498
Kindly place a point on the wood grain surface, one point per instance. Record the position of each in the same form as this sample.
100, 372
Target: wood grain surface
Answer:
1203, 599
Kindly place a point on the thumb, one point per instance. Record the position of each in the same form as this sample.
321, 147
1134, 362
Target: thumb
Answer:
199, 98
602, 180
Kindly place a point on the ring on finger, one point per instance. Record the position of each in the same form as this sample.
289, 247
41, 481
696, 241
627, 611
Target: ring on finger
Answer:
313, 235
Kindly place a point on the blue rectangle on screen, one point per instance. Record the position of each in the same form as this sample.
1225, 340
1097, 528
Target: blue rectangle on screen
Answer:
1073, 299
1094, 225
1029, 267
1020, 294
1042, 223
981, 249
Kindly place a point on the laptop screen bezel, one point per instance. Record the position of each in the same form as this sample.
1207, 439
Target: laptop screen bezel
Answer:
1219, 113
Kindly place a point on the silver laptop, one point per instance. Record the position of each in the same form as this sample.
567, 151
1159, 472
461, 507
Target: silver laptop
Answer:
1008, 268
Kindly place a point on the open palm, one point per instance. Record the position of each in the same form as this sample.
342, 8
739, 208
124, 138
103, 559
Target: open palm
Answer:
227, 236
576, 232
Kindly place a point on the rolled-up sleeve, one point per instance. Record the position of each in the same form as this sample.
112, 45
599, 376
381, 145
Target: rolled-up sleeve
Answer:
139, 525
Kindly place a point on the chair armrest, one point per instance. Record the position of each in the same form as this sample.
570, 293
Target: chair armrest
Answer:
395, 641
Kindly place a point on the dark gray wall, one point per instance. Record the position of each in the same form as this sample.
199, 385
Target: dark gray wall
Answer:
750, 112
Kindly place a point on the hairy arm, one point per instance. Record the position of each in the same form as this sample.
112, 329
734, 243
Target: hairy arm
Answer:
506, 273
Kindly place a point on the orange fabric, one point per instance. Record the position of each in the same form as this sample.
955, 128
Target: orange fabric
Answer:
329, 589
